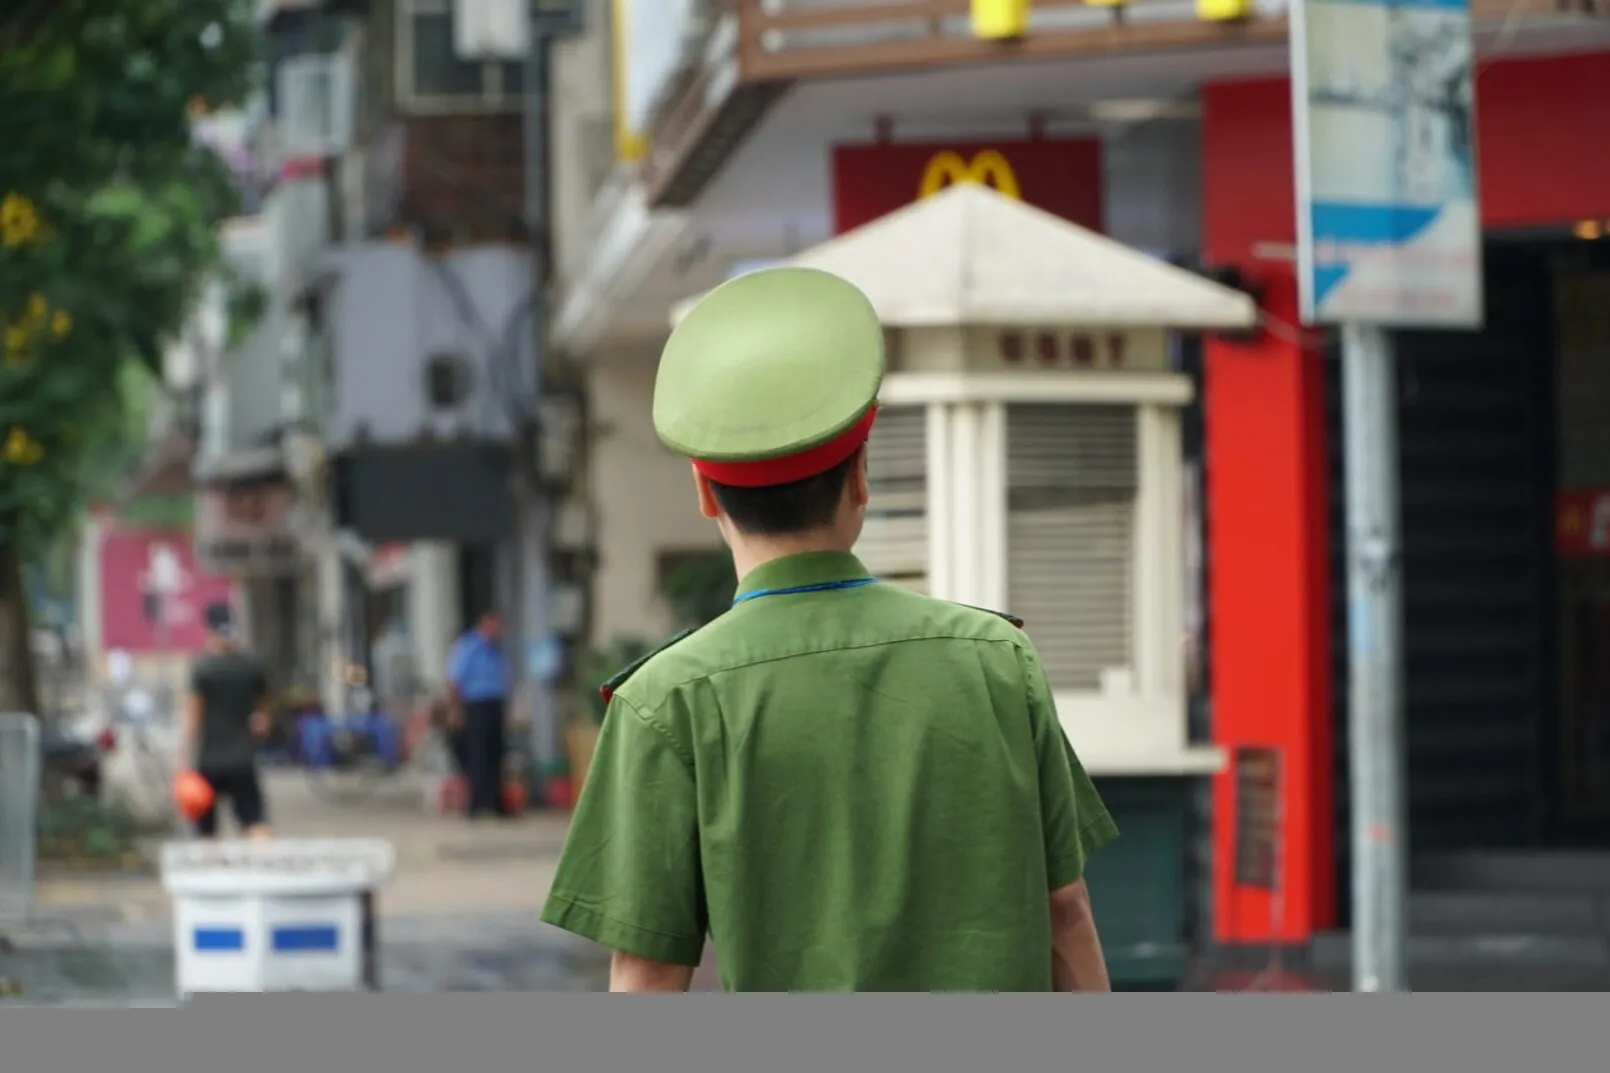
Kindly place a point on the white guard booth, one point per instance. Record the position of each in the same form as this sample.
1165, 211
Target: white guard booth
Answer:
1027, 456
275, 915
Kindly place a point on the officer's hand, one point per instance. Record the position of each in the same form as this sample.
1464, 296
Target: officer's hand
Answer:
261, 724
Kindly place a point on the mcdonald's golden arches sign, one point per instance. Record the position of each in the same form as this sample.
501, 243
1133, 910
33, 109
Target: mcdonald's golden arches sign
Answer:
989, 167
1059, 175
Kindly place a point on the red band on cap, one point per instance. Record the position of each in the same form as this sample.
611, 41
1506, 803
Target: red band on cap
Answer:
790, 468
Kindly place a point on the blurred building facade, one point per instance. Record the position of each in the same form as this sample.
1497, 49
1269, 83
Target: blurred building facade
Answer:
361, 475
751, 131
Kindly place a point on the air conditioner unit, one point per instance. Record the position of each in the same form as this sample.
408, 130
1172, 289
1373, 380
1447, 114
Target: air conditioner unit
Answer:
315, 105
491, 29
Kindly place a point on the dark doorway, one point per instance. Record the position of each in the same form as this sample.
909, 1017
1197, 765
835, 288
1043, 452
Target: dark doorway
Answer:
1476, 444
1582, 749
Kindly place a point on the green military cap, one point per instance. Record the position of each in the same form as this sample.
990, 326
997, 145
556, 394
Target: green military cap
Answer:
771, 378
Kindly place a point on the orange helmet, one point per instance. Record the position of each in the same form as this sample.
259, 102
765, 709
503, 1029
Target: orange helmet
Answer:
192, 794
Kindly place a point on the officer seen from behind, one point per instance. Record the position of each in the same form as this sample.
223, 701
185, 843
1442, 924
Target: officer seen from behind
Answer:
848, 786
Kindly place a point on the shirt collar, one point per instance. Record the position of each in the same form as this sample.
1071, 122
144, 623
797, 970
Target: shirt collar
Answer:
807, 568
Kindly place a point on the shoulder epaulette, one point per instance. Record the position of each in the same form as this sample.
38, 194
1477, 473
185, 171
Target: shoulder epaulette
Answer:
1013, 619
618, 679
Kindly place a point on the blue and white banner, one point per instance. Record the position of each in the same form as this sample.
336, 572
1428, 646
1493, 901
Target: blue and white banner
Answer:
1388, 220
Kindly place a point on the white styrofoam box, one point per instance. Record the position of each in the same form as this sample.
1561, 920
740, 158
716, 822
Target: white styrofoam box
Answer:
274, 915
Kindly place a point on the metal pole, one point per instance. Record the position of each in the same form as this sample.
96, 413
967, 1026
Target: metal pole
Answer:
1374, 612
532, 512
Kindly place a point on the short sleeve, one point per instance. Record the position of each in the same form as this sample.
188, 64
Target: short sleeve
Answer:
455, 662
630, 877
1075, 821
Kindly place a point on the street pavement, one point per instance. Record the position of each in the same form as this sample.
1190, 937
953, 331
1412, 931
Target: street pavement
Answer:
459, 913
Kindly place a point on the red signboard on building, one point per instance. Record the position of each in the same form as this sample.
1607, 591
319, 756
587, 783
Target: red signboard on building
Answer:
1582, 523
1059, 175
134, 565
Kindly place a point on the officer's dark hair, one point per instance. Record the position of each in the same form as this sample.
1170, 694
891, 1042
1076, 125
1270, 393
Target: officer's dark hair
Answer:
784, 509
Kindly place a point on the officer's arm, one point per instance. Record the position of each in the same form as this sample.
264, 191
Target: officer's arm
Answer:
455, 678
628, 972
630, 877
1076, 825
1076, 960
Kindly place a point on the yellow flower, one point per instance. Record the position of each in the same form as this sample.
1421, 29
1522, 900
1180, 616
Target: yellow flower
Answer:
37, 310
19, 222
61, 324
17, 336
21, 449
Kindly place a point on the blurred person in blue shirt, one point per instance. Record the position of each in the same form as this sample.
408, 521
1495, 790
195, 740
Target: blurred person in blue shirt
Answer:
478, 690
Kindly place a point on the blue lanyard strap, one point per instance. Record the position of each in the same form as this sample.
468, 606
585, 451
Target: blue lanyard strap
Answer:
826, 586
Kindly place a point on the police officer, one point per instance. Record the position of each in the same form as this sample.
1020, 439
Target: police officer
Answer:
847, 786
478, 689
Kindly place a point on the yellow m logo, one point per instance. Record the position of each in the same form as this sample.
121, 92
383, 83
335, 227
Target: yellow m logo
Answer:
988, 168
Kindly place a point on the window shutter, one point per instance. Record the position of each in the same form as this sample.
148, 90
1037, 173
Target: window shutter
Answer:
894, 541
1071, 488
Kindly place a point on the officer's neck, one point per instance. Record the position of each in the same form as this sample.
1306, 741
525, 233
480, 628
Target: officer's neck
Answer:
751, 551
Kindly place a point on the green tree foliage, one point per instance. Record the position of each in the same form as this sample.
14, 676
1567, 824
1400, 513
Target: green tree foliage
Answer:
108, 214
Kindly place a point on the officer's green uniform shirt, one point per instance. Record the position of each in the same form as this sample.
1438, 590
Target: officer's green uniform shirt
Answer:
848, 789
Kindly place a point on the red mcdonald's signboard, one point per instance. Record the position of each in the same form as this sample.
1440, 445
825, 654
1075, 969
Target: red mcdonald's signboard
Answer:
1059, 175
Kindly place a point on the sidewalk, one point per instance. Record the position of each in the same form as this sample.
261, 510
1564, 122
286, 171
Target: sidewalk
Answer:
459, 914
446, 866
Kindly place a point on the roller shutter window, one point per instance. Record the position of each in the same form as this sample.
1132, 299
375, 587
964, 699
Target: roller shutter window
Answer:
894, 540
1072, 483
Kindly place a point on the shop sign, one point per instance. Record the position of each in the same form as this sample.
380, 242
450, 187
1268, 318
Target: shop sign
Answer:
388, 566
153, 592
1063, 350
1257, 817
248, 529
1384, 122
1062, 176
1582, 523
987, 168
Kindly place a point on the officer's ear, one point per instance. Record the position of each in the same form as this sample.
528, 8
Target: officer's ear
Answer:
860, 489
707, 498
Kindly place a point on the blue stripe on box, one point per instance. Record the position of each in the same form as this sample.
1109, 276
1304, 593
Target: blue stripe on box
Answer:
218, 940
305, 939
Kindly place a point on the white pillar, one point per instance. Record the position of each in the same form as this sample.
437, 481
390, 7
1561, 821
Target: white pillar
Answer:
89, 594
332, 623
941, 478
433, 600
966, 526
991, 507
1159, 555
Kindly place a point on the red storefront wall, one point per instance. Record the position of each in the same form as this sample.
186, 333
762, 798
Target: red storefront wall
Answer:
1543, 138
